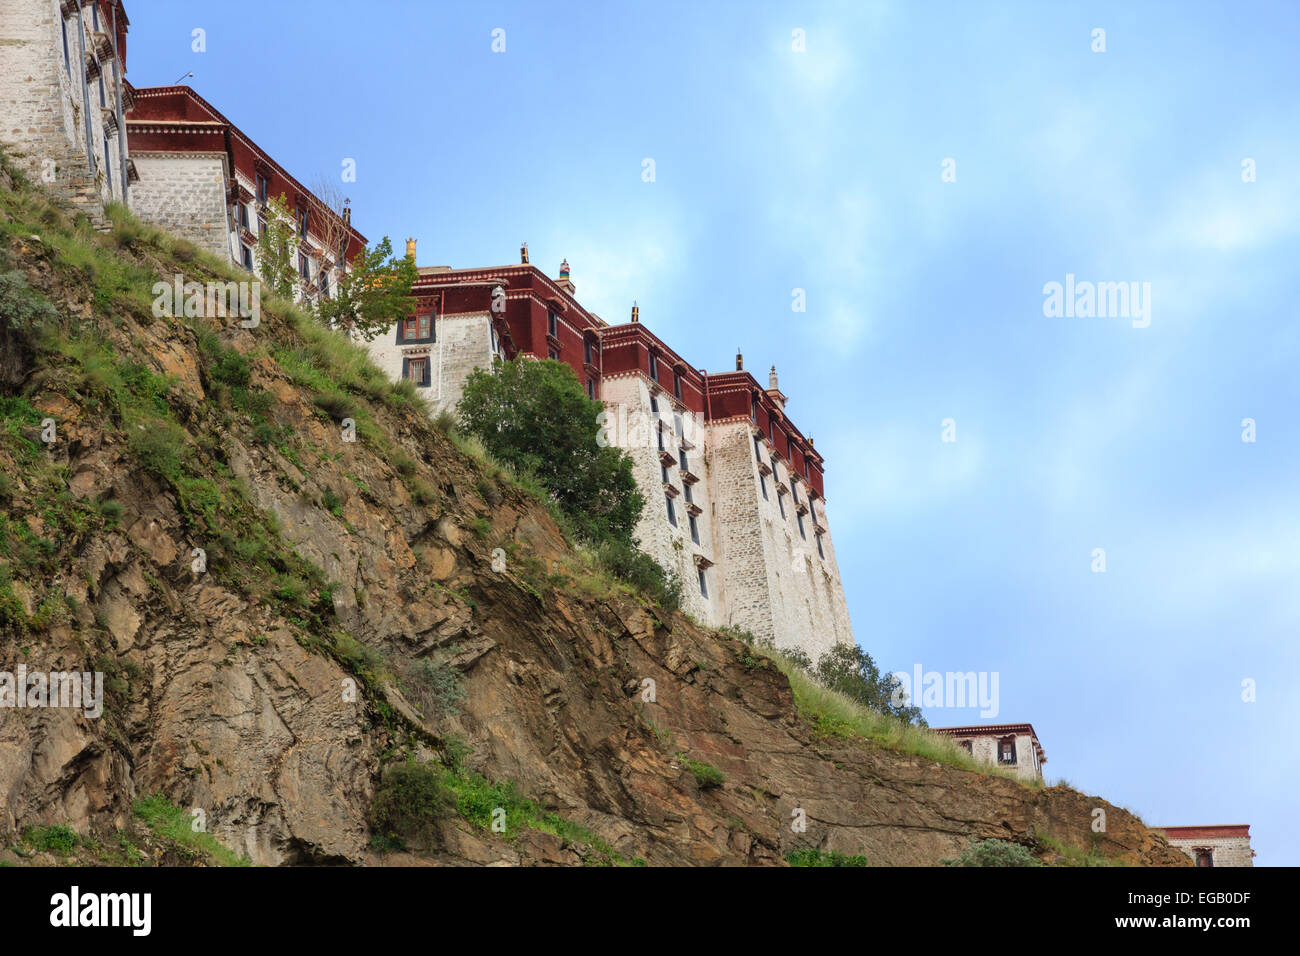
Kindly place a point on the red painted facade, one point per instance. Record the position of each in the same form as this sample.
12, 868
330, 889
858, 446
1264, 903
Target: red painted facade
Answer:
543, 319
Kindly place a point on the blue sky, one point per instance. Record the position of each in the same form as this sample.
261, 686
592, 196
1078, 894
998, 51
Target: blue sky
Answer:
821, 170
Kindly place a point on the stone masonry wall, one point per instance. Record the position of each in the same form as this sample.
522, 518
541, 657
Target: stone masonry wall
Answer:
43, 105
630, 424
779, 587
185, 194
1227, 851
462, 344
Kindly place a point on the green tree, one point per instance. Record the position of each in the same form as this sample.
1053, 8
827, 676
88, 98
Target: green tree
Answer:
277, 249
994, 853
375, 290
850, 670
535, 417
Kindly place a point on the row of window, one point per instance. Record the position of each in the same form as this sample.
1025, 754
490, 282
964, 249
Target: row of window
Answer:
794, 493
1006, 750
771, 432
683, 465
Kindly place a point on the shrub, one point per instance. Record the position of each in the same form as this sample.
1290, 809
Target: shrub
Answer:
408, 803
994, 853
435, 688
706, 775
813, 857
59, 838
20, 307
850, 670
158, 446
336, 405
626, 563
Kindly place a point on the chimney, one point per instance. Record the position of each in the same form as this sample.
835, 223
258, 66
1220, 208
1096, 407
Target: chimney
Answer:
636, 313
523, 253
410, 249
740, 360
771, 380
347, 212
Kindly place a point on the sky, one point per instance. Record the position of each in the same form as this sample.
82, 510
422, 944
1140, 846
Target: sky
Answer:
922, 171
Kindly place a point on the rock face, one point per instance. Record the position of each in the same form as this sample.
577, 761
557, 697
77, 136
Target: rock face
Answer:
240, 698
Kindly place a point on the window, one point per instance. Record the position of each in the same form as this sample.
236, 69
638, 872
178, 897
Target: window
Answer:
1007, 750
416, 370
677, 385
654, 404
672, 515
591, 388
302, 221
794, 491
685, 465
108, 161
587, 351
704, 587
553, 355
243, 214
695, 528
246, 256
654, 367
799, 518
323, 277
67, 62
304, 269
263, 187
779, 503
762, 484
686, 492
820, 553
758, 452
805, 470
102, 102
663, 471
261, 224
659, 432
496, 342
965, 744
753, 408
1204, 857
424, 326
94, 18
552, 322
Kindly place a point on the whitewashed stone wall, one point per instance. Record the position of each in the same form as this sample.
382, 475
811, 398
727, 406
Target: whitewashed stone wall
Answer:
463, 343
1027, 765
185, 194
1226, 851
43, 106
779, 587
630, 424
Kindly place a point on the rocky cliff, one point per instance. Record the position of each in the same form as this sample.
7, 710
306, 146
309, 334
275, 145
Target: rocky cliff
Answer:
199, 527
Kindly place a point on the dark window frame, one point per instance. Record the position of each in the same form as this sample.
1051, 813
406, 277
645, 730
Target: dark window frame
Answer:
426, 364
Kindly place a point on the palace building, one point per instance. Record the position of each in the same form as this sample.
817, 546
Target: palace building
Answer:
734, 490
1223, 845
63, 96
1013, 746
202, 178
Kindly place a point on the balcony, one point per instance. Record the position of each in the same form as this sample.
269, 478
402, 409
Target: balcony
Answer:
666, 459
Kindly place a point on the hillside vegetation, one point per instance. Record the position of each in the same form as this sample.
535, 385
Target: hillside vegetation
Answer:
383, 650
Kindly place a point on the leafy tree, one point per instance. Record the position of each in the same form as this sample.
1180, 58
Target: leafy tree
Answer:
850, 670
371, 293
535, 417
277, 249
